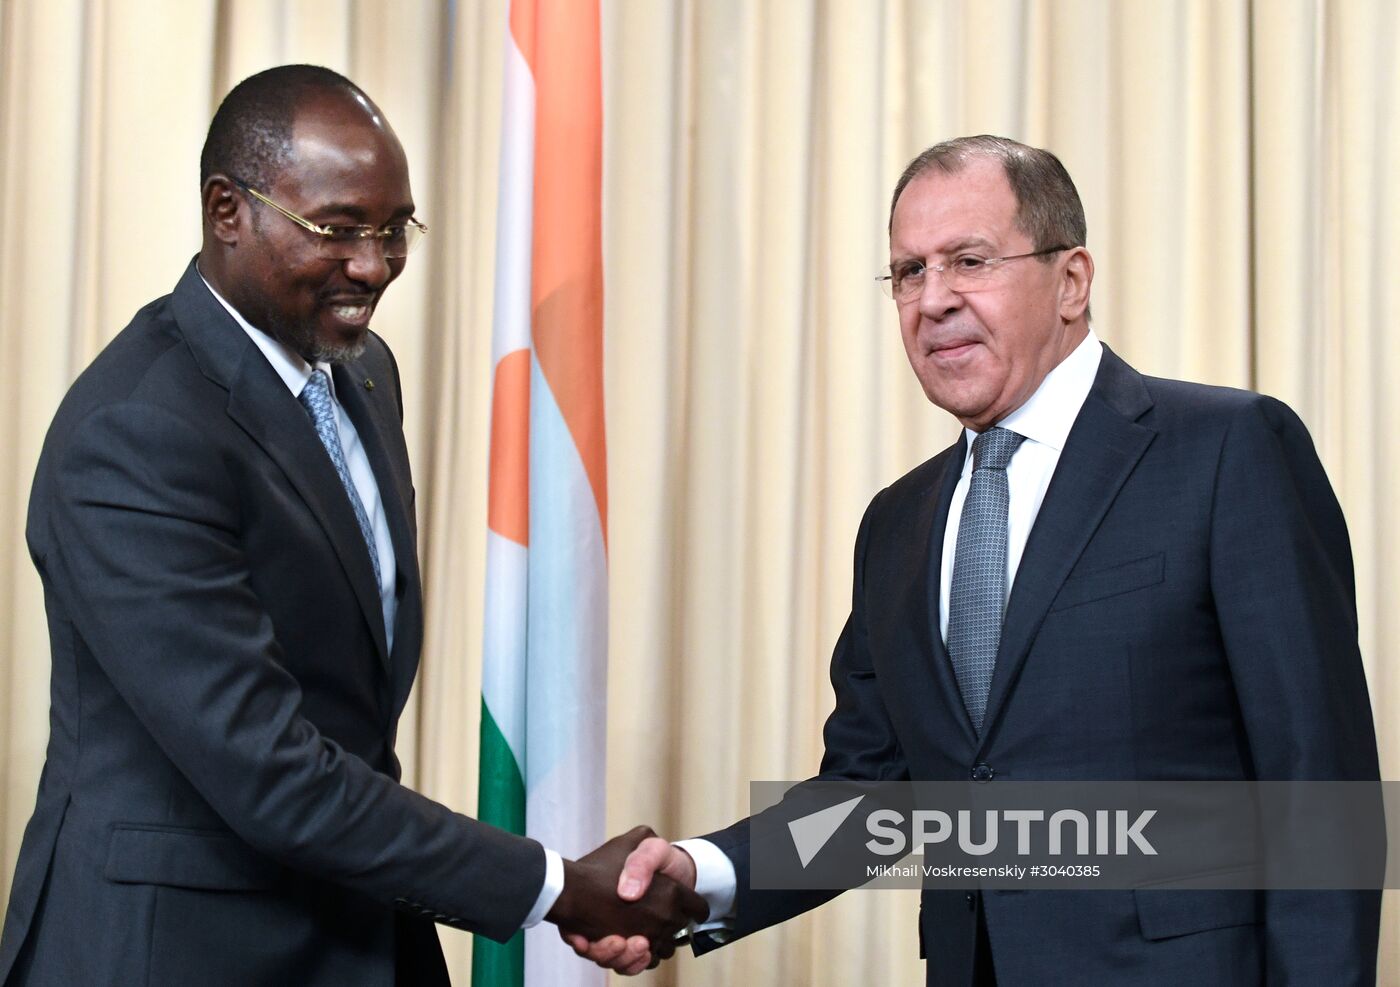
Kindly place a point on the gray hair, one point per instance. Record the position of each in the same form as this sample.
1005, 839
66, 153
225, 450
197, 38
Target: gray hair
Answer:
1048, 209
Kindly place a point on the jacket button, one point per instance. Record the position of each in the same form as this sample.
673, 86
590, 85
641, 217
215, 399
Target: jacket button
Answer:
971, 902
983, 772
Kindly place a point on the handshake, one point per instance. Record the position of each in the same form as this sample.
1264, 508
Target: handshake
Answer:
624, 904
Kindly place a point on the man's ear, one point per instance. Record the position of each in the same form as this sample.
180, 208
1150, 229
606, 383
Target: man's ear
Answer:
1074, 287
223, 208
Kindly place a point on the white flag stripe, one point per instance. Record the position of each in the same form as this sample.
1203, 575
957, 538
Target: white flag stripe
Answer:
503, 667
567, 641
514, 209
567, 623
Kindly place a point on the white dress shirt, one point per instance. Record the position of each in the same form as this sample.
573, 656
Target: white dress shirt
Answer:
1045, 420
295, 372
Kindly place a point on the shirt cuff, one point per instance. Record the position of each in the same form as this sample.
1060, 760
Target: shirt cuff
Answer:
549, 894
714, 880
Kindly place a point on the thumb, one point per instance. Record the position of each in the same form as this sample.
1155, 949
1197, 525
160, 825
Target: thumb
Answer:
640, 866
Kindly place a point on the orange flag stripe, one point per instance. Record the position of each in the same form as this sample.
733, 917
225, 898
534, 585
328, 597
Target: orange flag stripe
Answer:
522, 29
508, 503
567, 260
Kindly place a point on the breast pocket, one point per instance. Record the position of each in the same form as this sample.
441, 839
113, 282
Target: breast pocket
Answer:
1113, 580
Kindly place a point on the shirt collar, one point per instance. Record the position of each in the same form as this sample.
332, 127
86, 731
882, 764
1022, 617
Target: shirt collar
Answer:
1049, 413
290, 366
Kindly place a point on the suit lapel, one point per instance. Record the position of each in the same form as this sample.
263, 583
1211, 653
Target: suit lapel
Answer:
1103, 447
367, 414
261, 405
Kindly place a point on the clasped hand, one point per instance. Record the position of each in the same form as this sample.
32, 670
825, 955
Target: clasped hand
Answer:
620, 910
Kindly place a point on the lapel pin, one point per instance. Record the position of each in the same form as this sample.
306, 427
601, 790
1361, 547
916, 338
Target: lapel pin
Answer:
369, 384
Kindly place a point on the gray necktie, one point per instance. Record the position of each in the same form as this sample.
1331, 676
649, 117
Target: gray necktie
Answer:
977, 596
315, 397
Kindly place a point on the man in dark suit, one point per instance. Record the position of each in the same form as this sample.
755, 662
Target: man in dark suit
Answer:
1109, 576
223, 522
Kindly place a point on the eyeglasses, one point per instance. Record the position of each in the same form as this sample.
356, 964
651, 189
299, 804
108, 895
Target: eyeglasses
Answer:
964, 273
343, 242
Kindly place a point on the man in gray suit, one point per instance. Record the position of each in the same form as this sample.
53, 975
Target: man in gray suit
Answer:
223, 520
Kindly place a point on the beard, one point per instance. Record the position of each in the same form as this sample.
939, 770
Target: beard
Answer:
338, 352
301, 339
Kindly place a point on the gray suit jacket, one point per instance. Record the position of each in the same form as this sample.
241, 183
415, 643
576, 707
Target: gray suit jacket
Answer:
220, 800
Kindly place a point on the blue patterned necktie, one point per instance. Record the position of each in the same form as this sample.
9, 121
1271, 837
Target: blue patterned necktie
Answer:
315, 397
977, 596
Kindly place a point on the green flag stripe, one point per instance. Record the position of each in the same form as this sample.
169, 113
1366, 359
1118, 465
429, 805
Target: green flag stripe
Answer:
501, 802
501, 799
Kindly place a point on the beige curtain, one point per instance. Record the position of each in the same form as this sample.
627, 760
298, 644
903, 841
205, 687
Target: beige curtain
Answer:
1237, 161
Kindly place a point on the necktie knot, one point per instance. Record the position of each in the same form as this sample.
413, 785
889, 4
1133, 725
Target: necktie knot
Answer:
992, 449
315, 397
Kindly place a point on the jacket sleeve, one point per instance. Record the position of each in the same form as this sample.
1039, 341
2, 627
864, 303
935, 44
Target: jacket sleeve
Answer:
1282, 580
144, 553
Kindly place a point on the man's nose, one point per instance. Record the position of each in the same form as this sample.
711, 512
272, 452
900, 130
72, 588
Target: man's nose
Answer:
367, 265
937, 300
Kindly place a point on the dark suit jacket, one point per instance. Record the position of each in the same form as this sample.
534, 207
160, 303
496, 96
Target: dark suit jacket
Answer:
1184, 609
220, 802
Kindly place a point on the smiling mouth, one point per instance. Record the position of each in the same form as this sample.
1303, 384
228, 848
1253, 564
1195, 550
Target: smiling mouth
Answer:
354, 313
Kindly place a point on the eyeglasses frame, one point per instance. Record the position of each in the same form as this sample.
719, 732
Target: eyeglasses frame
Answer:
994, 263
326, 232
